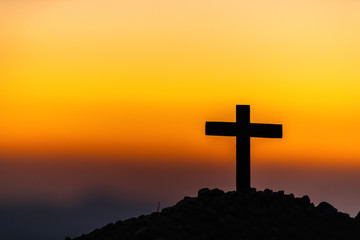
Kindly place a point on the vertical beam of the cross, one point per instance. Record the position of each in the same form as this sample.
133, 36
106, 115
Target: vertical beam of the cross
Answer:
243, 147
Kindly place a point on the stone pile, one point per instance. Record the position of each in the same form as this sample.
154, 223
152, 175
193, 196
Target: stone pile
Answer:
247, 214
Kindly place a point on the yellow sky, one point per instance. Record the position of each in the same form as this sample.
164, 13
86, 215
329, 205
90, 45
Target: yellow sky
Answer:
113, 76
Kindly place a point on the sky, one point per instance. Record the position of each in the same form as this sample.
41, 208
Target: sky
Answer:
110, 98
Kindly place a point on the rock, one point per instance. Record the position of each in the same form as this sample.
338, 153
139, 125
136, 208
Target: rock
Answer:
291, 196
304, 201
343, 215
205, 192
148, 233
247, 214
357, 218
268, 191
326, 208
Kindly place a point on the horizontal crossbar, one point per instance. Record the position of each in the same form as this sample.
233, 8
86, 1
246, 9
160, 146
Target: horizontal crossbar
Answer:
266, 130
233, 129
221, 128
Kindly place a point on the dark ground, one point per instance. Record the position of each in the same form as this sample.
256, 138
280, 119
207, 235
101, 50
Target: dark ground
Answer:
248, 214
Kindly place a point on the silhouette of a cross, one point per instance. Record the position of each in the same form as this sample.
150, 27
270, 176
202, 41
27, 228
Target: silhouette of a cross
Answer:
242, 129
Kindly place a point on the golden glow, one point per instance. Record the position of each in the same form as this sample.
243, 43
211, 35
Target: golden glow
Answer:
116, 77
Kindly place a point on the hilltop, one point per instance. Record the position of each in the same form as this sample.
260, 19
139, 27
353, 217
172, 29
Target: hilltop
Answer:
247, 214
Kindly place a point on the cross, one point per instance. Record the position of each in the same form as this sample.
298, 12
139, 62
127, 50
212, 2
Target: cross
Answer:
242, 129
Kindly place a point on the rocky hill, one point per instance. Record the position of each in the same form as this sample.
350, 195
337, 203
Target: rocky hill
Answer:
248, 214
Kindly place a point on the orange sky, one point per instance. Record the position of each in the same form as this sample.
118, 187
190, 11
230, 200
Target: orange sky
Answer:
123, 82
110, 77
135, 81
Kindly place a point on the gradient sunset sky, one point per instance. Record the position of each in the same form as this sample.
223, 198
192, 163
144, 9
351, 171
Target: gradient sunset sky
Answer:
96, 93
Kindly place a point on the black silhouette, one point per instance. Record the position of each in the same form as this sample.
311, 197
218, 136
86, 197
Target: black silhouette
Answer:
245, 214
242, 129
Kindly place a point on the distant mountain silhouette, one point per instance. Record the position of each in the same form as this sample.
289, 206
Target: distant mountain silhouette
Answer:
246, 214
